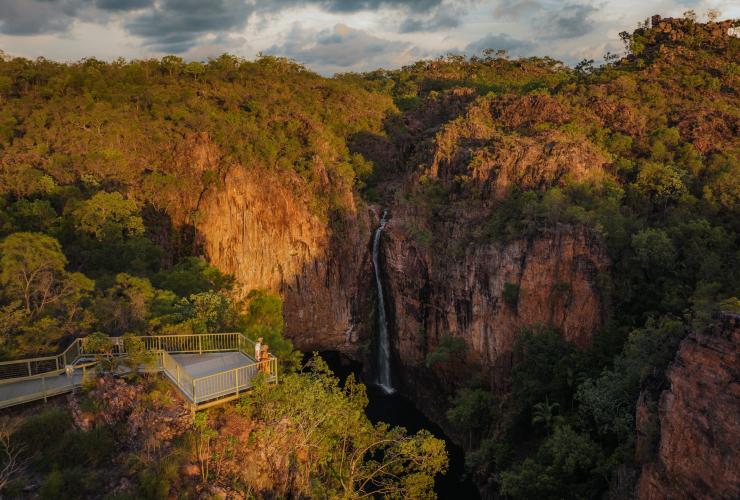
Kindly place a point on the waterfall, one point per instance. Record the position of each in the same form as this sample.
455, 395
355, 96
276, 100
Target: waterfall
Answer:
384, 348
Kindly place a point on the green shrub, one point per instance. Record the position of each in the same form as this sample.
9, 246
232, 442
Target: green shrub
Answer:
53, 487
92, 447
43, 431
511, 294
448, 347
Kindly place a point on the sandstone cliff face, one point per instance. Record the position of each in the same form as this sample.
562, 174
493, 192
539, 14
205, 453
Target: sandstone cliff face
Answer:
260, 226
431, 297
258, 229
699, 420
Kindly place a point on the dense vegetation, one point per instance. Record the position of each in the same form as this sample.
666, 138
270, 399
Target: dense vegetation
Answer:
304, 437
98, 220
663, 121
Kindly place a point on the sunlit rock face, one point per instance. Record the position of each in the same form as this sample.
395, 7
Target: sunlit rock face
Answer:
698, 420
260, 230
264, 227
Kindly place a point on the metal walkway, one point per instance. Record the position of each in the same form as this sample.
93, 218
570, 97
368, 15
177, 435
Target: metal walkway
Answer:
208, 369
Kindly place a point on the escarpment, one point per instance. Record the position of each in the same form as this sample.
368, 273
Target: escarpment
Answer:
264, 233
698, 420
485, 296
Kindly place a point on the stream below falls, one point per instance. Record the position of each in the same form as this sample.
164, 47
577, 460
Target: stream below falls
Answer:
397, 410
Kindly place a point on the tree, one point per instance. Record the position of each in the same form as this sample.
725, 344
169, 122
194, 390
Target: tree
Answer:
195, 69
563, 467
660, 183
264, 319
654, 248
204, 435
449, 347
125, 305
193, 275
137, 355
109, 216
172, 64
318, 441
471, 411
713, 15
32, 270
12, 461
544, 413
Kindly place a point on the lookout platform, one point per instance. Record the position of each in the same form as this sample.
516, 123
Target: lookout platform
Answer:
207, 369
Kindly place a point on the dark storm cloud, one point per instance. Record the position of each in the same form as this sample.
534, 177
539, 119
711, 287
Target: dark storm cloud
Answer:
499, 41
570, 21
176, 25
123, 5
348, 6
32, 17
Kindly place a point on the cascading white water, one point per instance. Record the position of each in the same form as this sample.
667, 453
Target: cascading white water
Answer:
384, 348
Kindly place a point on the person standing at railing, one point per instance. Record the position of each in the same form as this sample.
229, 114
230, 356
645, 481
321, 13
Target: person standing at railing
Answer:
264, 359
258, 349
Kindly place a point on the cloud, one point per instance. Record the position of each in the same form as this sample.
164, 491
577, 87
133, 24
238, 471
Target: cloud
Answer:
343, 48
500, 41
347, 6
31, 17
444, 16
570, 21
123, 5
514, 9
177, 25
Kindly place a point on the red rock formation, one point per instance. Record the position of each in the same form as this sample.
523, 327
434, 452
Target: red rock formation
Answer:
475, 148
431, 297
261, 230
699, 419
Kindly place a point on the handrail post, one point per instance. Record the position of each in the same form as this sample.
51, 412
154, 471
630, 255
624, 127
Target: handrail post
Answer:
236, 379
200, 344
43, 387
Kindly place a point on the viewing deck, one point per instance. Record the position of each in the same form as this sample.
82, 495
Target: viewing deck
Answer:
207, 369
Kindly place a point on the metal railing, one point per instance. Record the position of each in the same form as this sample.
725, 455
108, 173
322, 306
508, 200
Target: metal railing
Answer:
178, 374
42, 366
48, 385
232, 381
198, 390
200, 343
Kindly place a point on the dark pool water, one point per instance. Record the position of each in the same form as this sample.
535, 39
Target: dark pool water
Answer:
397, 410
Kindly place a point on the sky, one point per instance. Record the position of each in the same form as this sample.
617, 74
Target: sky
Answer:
329, 36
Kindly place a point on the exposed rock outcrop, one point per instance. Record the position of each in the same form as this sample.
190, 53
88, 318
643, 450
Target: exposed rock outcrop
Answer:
699, 420
477, 149
257, 228
431, 297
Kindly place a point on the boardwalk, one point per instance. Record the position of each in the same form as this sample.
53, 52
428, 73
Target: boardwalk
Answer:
23, 391
207, 369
